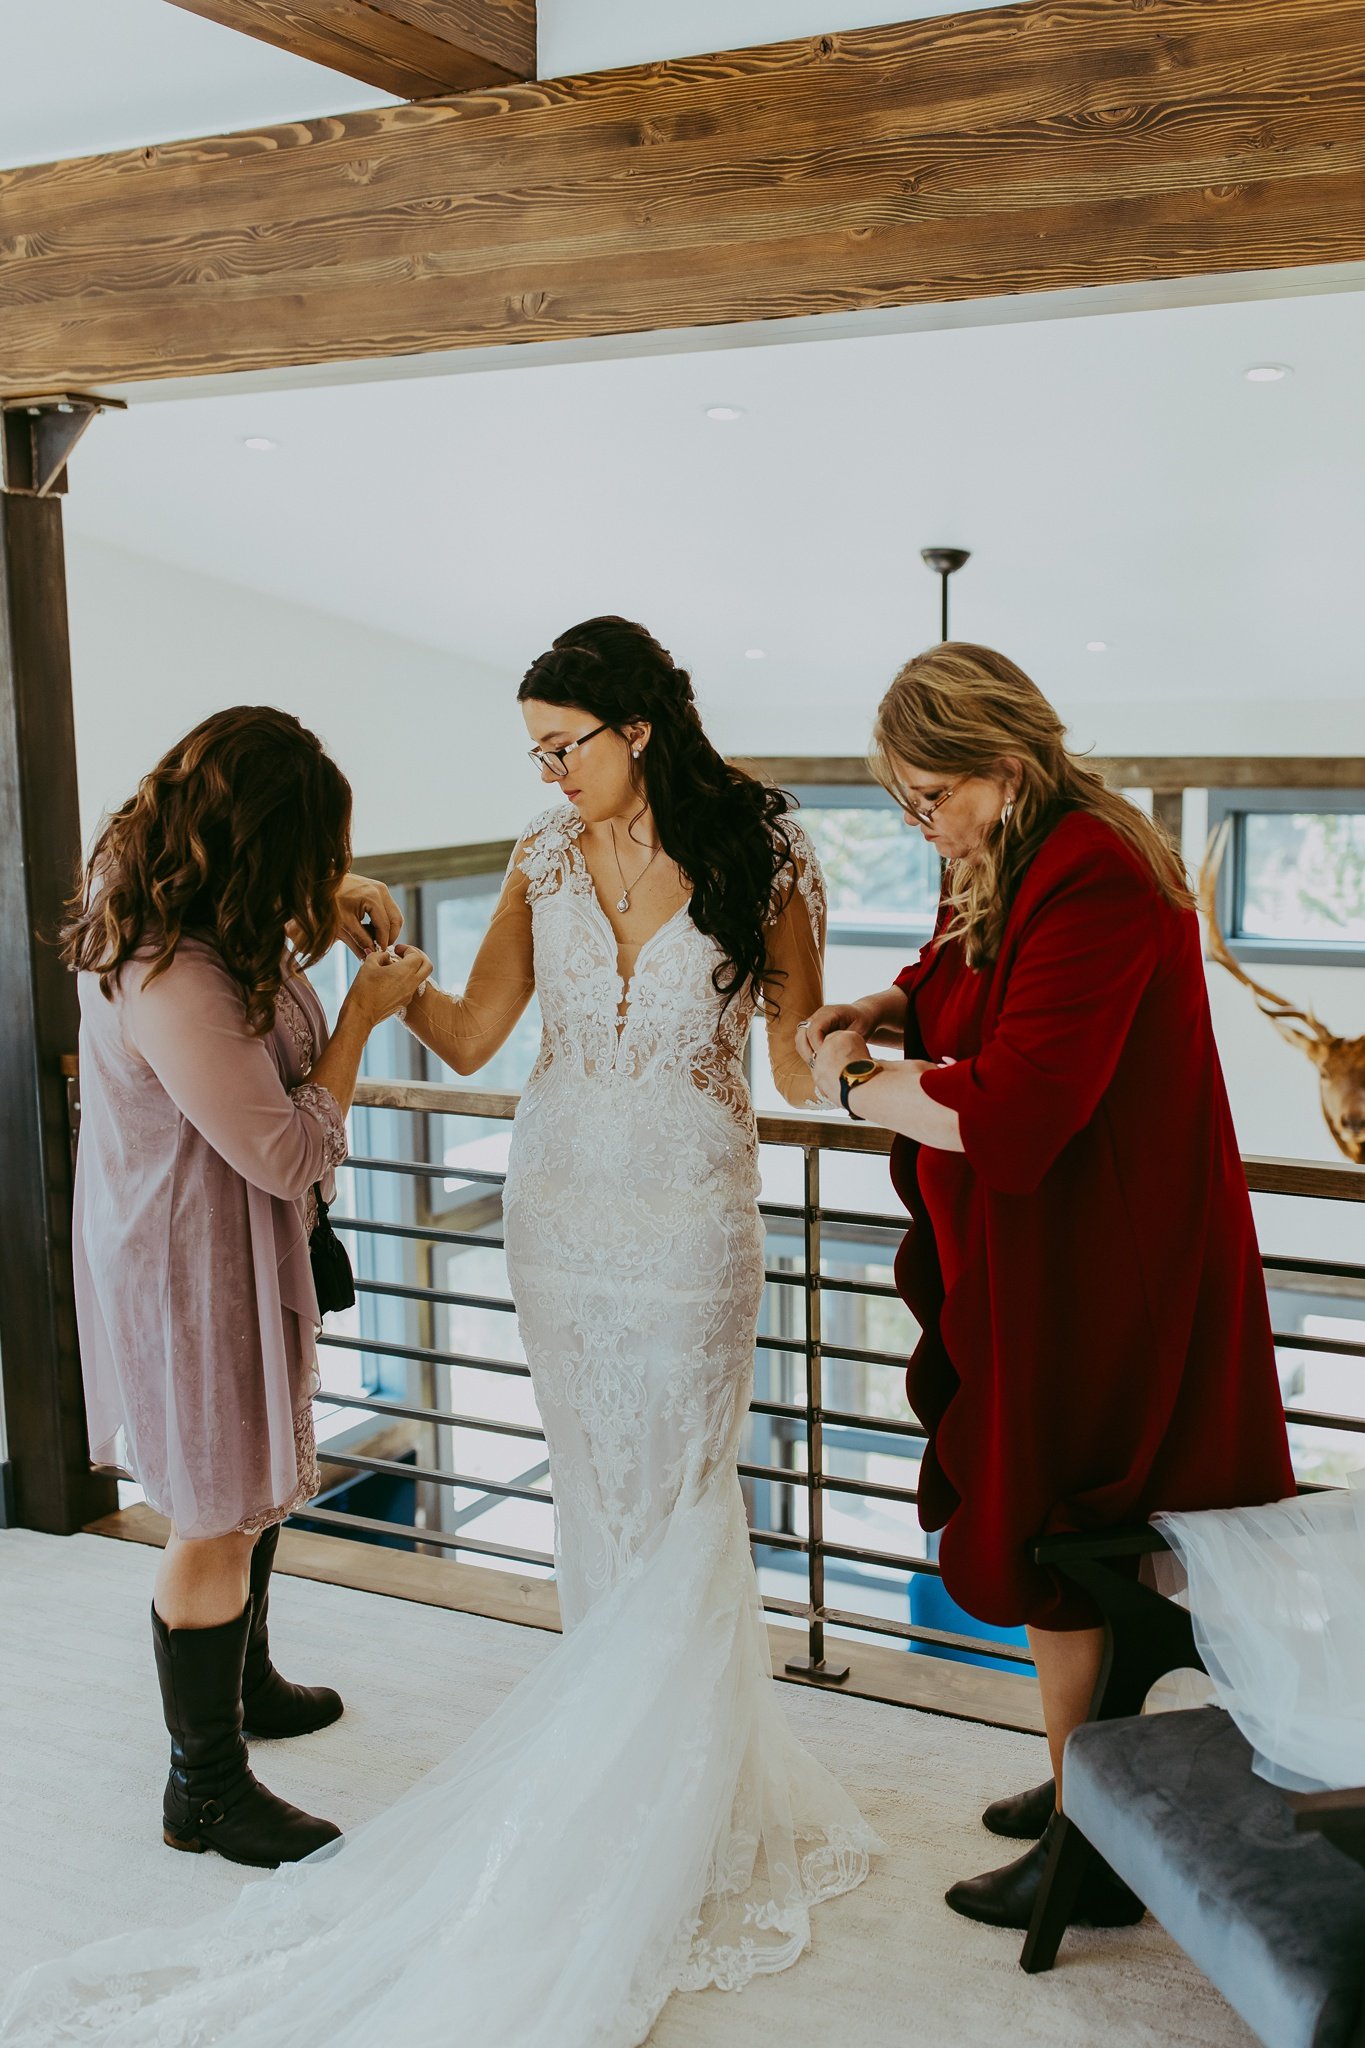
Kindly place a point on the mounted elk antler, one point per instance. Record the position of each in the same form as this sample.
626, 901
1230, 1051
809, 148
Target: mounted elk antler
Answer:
1340, 1061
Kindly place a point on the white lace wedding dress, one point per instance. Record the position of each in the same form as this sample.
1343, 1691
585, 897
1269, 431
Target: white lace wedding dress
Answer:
636, 1818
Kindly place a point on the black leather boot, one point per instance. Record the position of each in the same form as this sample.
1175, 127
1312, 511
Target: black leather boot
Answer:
211, 1800
1006, 1898
1023, 1816
270, 1704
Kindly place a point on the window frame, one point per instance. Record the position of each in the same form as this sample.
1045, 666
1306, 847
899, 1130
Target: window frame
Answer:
1239, 804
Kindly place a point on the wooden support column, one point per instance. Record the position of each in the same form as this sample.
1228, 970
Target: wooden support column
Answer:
51, 1485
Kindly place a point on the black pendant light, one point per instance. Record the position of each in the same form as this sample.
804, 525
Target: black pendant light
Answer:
945, 562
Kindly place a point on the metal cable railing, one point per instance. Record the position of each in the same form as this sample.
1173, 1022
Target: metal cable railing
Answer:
804, 1428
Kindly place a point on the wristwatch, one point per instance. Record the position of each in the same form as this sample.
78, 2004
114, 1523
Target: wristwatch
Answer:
853, 1076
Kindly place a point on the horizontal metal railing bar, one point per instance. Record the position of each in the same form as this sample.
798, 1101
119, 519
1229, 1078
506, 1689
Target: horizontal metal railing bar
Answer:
853, 1355
420, 1233
872, 1489
445, 1296
444, 1418
419, 1355
852, 1419
442, 1538
856, 1554
872, 1290
420, 1170
1314, 1420
1334, 1347
1326, 1269
430, 1475
914, 1632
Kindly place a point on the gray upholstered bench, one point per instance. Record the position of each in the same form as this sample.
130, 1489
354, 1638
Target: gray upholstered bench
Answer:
1274, 1916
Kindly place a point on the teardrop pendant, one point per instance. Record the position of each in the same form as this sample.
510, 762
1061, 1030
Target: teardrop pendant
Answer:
623, 904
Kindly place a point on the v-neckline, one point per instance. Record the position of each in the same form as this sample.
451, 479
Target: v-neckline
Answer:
626, 980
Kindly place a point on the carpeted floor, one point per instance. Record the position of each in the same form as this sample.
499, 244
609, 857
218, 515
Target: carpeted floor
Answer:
82, 1762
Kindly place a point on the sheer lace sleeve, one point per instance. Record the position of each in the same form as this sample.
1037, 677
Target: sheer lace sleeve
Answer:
794, 984
189, 1025
466, 1030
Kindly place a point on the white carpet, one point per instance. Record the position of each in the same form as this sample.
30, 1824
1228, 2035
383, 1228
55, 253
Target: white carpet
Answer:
82, 1761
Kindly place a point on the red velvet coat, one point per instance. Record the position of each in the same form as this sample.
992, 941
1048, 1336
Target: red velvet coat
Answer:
1096, 1342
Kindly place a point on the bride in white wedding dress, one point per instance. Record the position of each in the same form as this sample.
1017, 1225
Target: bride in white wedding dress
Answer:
636, 1818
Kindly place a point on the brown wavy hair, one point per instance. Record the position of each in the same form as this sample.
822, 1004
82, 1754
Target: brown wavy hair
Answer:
960, 710
241, 830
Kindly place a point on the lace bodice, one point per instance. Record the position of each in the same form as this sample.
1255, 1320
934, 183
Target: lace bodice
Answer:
665, 1017
550, 935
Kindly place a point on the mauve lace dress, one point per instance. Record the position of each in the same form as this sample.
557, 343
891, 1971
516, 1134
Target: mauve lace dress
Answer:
200, 1146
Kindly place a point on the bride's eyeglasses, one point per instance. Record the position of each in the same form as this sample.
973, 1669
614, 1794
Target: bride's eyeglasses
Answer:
556, 759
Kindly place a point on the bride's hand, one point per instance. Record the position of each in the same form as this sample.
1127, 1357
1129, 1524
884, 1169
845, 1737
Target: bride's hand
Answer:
812, 1032
359, 897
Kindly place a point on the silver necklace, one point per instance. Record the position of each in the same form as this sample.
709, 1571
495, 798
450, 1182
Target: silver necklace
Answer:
623, 900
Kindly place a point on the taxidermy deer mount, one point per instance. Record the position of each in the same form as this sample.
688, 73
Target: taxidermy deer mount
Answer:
1340, 1061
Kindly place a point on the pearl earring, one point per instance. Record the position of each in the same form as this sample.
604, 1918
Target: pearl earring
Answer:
635, 753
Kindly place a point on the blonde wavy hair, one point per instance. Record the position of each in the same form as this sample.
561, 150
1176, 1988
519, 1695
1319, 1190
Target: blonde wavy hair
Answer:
960, 710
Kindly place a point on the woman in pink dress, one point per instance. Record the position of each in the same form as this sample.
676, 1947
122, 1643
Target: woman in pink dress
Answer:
212, 1112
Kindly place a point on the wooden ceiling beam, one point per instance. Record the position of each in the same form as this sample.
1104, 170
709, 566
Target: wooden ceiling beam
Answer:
413, 48
1028, 149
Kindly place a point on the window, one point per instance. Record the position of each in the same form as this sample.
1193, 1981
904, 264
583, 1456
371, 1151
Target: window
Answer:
1292, 886
883, 878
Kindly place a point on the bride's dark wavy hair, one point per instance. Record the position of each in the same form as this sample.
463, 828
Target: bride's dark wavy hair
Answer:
241, 829
723, 828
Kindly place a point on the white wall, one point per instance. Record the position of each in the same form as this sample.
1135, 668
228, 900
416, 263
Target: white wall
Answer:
433, 745
435, 749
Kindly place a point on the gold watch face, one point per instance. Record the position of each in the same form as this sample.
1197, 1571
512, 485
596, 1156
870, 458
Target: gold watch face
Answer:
859, 1070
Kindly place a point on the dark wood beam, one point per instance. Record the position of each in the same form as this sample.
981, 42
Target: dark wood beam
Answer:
1033, 148
414, 48
40, 841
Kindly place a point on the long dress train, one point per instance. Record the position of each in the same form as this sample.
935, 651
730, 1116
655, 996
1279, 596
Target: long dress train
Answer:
636, 1817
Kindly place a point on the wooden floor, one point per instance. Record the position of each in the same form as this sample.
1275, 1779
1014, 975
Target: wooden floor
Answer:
933, 1685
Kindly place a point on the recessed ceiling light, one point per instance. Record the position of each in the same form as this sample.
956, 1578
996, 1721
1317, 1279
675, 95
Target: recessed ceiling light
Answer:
259, 442
725, 412
755, 654
1267, 373
1097, 646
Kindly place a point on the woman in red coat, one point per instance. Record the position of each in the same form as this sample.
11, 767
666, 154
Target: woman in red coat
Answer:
1081, 1260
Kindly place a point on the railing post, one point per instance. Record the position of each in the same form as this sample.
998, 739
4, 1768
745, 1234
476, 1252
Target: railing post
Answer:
814, 1664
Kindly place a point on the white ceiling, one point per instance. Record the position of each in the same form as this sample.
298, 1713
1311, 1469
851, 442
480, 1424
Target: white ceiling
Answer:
1116, 478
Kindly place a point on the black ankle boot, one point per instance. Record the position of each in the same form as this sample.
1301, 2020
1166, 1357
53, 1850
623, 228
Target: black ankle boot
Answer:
270, 1704
1024, 1816
1005, 1898
211, 1800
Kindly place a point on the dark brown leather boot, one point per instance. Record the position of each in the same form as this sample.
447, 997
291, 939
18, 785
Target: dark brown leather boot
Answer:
1023, 1816
212, 1801
1005, 1898
271, 1706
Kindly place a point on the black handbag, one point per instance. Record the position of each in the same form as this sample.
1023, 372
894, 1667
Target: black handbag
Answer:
333, 1280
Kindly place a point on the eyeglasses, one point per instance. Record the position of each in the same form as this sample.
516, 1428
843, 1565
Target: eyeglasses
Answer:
556, 759
922, 813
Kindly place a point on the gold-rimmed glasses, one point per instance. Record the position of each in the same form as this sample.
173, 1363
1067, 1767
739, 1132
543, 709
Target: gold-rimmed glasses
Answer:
556, 759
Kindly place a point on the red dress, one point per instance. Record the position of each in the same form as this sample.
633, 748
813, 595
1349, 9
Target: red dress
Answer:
1095, 1336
